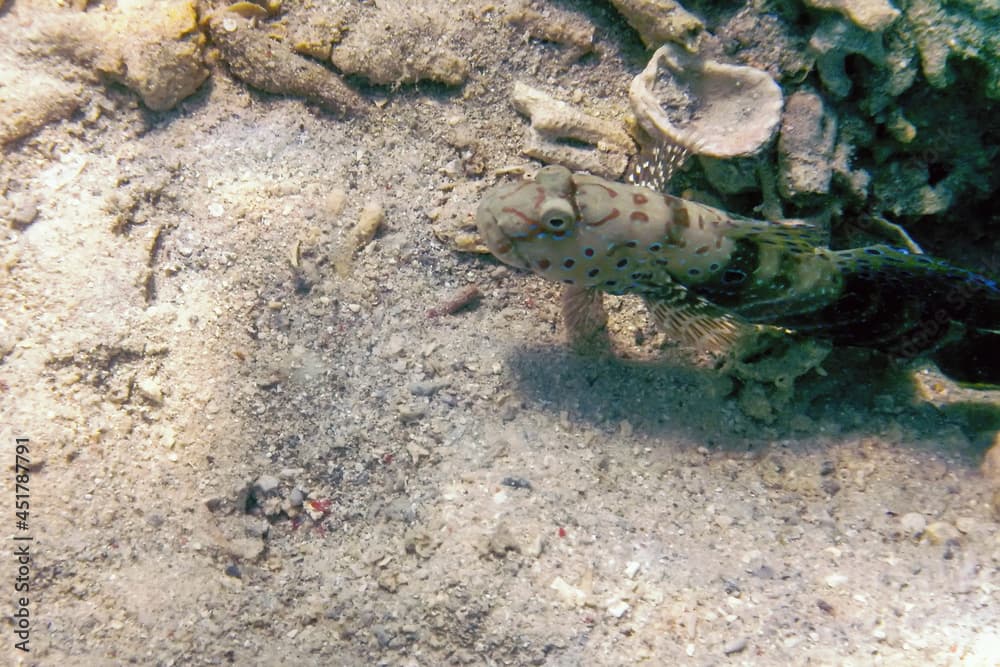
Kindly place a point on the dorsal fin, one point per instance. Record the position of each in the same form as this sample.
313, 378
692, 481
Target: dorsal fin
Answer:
796, 235
655, 167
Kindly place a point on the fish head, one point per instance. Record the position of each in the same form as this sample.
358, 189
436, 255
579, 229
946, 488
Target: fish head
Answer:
576, 229
519, 222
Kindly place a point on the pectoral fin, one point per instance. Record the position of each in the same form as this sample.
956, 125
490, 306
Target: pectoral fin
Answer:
694, 321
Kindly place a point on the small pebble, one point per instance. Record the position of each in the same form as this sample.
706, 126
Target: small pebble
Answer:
369, 221
835, 580
266, 484
913, 524
427, 387
631, 569
570, 594
618, 608
411, 413
965, 524
735, 646
940, 532
150, 390
24, 214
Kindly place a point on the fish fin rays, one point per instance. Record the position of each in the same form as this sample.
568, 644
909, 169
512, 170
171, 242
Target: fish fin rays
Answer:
693, 320
655, 167
585, 318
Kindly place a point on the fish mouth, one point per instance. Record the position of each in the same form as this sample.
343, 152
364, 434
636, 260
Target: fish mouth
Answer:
508, 253
500, 244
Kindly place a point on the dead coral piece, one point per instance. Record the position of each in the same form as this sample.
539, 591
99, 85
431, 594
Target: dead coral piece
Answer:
553, 25
963, 28
163, 54
274, 67
401, 43
713, 108
805, 146
152, 47
871, 15
553, 122
660, 21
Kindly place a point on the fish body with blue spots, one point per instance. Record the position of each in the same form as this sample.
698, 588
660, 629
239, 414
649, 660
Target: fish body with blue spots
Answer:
703, 271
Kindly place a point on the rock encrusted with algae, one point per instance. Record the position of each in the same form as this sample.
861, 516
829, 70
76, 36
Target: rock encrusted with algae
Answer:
966, 29
765, 366
892, 59
716, 109
32, 98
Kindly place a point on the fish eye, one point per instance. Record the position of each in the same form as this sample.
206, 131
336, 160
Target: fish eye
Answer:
557, 214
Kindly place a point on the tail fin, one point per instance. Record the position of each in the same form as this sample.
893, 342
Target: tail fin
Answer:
903, 303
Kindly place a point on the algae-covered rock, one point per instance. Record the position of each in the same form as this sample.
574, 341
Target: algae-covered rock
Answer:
163, 55
765, 366
805, 146
905, 190
31, 99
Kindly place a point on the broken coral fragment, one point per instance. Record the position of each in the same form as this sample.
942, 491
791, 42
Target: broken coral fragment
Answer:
712, 108
273, 66
871, 15
554, 25
661, 21
553, 122
400, 43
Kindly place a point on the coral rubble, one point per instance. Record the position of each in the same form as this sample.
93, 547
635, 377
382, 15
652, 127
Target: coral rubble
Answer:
553, 121
659, 21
